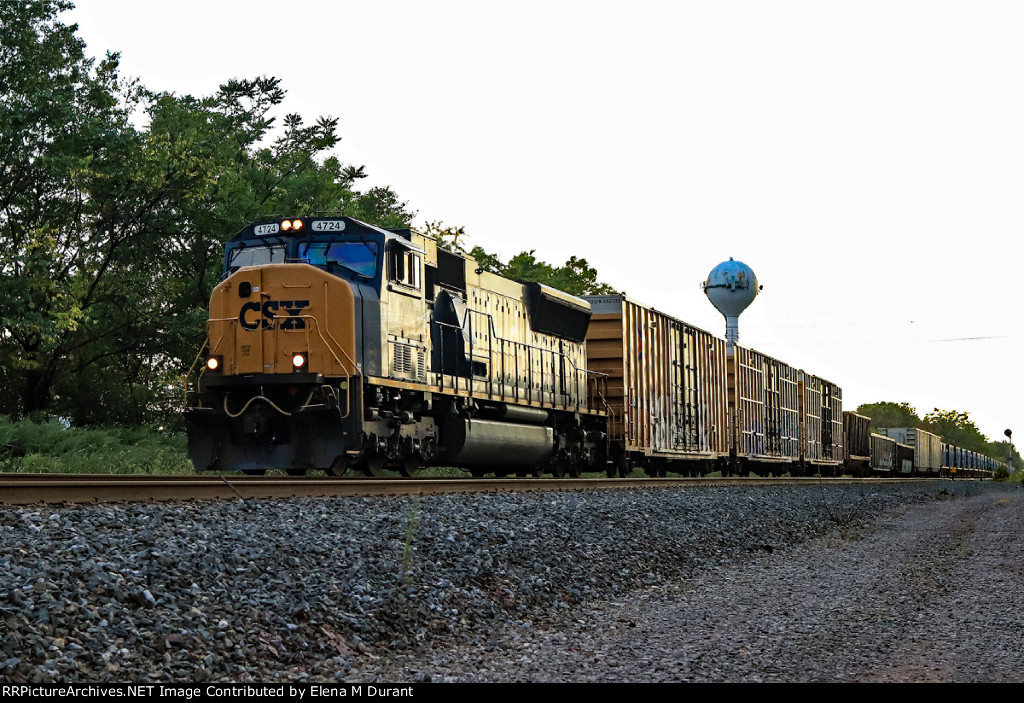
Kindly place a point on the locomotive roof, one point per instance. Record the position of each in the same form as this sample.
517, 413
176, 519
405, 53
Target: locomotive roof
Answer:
352, 226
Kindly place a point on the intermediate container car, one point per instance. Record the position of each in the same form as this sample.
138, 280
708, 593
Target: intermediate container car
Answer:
927, 448
666, 387
764, 399
884, 460
857, 443
904, 459
821, 425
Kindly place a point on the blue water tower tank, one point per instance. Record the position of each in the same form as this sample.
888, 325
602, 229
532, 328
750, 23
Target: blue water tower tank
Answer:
731, 287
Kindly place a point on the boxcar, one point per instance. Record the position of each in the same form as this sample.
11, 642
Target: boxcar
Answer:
821, 425
884, 459
857, 443
666, 388
904, 459
764, 399
927, 448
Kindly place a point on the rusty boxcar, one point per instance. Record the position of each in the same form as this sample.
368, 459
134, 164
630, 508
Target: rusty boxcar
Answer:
764, 400
821, 423
666, 388
857, 443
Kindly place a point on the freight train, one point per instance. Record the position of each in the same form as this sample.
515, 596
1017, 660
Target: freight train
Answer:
339, 346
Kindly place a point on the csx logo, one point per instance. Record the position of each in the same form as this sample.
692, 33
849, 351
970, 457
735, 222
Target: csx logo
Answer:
254, 315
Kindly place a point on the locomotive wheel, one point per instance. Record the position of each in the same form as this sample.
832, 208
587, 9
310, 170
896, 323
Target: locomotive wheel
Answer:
558, 470
339, 468
575, 470
409, 465
375, 464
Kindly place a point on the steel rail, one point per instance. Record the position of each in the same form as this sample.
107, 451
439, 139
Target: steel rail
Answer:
31, 489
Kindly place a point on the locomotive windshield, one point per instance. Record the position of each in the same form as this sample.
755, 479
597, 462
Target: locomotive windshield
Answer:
256, 255
359, 257
341, 246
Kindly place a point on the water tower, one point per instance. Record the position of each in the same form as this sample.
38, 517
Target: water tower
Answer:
731, 287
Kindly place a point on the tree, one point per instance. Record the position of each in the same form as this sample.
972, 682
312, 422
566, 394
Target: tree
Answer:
887, 414
575, 277
956, 428
61, 128
112, 235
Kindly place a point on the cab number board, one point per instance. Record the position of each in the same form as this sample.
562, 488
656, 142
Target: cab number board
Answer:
261, 230
328, 225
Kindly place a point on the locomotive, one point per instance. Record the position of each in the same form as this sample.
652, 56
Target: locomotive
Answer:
336, 345
333, 344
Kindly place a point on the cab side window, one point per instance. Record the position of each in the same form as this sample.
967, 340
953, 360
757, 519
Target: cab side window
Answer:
404, 267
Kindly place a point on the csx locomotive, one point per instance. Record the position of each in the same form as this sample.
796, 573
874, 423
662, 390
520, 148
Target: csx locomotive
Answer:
336, 345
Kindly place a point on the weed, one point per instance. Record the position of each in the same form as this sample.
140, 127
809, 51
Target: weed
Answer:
412, 525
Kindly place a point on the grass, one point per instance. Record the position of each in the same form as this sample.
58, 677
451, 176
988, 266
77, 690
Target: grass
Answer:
49, 448
412, 525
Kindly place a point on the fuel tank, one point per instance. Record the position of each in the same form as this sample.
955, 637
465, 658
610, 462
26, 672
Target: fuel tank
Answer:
473, 441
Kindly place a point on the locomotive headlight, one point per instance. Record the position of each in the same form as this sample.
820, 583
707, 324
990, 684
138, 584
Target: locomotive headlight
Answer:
296, 225
214, 363
300, 361
286, 225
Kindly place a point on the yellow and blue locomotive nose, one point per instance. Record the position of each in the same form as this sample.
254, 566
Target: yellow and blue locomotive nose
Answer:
283, 319
277, 387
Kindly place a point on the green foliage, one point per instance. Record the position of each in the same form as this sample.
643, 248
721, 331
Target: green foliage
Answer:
49, 447
575, 276
953, 426
956, 428
111, 235
1001, 452
412, 526
886, 414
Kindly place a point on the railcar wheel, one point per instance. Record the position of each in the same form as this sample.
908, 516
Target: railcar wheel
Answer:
533, 472
295, 472
410, 464
558, 470
339, 468
575, 470
375, 464
477, 472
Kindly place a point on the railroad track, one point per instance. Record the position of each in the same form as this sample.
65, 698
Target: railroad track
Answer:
29, 489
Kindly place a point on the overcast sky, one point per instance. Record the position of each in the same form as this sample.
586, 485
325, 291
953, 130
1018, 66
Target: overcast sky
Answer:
866, 159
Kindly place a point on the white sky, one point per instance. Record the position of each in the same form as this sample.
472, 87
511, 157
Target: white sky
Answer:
865, 158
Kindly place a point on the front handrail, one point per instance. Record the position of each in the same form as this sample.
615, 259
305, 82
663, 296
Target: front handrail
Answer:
332, 345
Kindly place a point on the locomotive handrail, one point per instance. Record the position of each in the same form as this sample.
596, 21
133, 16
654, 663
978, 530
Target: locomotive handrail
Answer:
192, 368
348, 375
530, 349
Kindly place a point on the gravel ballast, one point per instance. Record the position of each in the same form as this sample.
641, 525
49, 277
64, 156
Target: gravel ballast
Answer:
906, 582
